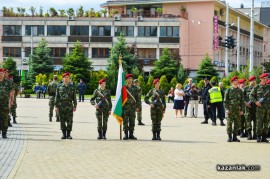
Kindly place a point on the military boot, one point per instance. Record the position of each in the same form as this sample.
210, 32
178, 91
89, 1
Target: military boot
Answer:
57, 119
4, 135
50, 119
268, 135
140, 123
229, 138
235, 138
264, 139
254, 136
154, 135
9, 124
205, 122
245, 133
126, 136
242, 134
222, 123
99, 134
104, 135
131, 136
259, 138
214, 123
68, 134
64, 134
14, 120
249, 135
158, 135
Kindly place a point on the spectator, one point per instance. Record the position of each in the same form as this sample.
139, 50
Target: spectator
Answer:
171, 95
178, 100
81, 90
43, 90
194, 101
37, 89
187, 91
21, 89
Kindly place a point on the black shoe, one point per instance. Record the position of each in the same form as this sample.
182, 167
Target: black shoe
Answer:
126, 136
235, 138
254, 136
214, 123
242, 135
4, 135
268, 135
14, 120
50, 119
158, 135
64, 134
222, 123
99, 135
140, 123
57, 119
154, 135
104, 135
68, 135
264, 139
259, 138
9, 124
229, 138
131, 136
204, 122
249, 135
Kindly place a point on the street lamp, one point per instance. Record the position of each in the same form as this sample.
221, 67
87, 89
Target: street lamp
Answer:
251, 37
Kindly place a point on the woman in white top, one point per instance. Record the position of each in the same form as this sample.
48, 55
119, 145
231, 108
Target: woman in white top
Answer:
178, 100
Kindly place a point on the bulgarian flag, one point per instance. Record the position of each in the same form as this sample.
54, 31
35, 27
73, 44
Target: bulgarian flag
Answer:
121, 95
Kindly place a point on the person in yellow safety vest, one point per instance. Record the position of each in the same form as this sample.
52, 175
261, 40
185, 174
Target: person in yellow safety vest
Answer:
216, 102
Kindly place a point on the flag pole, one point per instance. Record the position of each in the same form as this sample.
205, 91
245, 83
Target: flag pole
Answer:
120, 62
120, 131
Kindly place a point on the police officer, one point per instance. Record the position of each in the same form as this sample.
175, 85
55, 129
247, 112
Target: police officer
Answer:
216, 103
158, 107
261, 97
139, 113
234, 104
243, 132
131, 106
65, 104
250, 109
52, 92
206, 103
101, 99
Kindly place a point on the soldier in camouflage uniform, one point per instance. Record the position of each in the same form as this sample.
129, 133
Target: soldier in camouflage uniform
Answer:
131, 106
6, 92
52, 92
268, 83
243, 130
234, 105
6, 73
158, 107
101, 99
250, 109
14, 106
65, 104
139, 114
260, 95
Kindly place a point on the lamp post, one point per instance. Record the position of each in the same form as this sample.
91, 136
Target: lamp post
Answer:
227, 34
238, 44
251, 37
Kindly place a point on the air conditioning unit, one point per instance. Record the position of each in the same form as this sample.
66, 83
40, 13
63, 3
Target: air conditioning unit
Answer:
117, 18
71, 18
139, 18
4, 59
25, 61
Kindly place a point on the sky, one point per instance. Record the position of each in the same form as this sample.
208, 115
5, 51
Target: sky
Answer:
87, 4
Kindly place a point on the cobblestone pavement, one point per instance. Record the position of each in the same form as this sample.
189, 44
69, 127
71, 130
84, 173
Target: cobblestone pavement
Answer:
187, 150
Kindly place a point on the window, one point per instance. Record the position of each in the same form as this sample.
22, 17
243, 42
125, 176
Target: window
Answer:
12, 30
126, 30
100, 52
169, 31
27, 51
37, 30
79, 30
85, 51
101, 30
147, 53
147, 31
58, 52
12, 52
56, 30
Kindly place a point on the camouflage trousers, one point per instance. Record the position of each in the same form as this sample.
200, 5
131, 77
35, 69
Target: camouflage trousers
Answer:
263, 115
129, 119
156, 117
242, 122
13, 109
139, 115
102, 115
51, 105
233, 122
66, 117
4, 117
250, 116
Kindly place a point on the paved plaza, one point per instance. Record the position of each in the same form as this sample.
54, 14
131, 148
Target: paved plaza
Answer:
187, 150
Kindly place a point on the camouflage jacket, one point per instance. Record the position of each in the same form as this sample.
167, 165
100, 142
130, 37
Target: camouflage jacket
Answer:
102, 98
5, 88
65, 94
234, 99
157, 98
259, 92
247, 91
52, 88
133, 99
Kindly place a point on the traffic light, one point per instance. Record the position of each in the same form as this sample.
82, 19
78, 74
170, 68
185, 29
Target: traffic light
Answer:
228, 42
233, 43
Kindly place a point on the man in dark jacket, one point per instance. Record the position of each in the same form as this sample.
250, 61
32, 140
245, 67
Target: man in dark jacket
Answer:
81, 90
206, 103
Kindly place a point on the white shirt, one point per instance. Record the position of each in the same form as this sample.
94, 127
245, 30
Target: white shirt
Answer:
178, 97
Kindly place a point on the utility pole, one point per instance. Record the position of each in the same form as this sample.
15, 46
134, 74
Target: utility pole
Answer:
251, 37
227, 35
238, 44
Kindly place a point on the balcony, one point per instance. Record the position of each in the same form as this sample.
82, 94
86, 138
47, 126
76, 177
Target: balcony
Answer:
78, 38
101, 39
11, 38
148, 61
169, 39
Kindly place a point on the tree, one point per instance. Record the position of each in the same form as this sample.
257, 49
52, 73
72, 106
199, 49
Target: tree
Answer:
95, 77
164, 85
62, 12
80, 11
181, 74
166, 65
115, 11
41, 62
70, 12
40, 11
266, 66
136, 72
10, 64
159, 11
206, 69
173, 82
142, 84
33, 10
53, 12
104, 12
78, 63
98, 14
91, 13
135, 11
